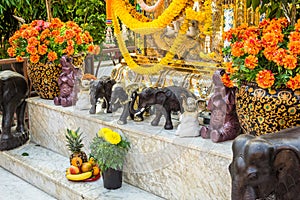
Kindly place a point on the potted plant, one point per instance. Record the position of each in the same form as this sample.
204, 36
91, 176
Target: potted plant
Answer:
44, 43
109, 148
264, 64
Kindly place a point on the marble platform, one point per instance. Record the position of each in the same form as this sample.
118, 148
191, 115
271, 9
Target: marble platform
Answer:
158, 162
46, 170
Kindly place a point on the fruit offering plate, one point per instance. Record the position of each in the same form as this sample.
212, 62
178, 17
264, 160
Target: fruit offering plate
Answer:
83, 177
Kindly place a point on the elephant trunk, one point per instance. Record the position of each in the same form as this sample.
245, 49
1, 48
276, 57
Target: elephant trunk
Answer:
241, 192
138, 112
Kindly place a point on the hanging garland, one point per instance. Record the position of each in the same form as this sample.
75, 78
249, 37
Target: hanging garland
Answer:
162, 21
135, 14
147, 8
163, 62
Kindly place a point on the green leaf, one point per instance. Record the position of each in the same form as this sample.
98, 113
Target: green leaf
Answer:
255, 4
248, 3
25, 154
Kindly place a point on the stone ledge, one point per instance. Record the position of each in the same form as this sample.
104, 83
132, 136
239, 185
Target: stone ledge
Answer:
46, 170
159, 161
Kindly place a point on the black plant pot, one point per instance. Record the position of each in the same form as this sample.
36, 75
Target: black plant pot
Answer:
112, 179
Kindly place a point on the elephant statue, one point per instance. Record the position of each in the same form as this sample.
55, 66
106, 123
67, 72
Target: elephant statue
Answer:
189, 124
224, 124
120, 98
68, 83
13, 92
167, 100
101, 89
267, 165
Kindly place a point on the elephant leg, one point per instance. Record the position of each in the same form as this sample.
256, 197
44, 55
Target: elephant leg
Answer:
7, 120
104, 103
21, 117
93, 109
158, 114
125, 113
168, 124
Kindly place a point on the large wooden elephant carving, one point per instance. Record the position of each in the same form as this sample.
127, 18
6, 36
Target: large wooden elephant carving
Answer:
167, 100
266, 165
13, 91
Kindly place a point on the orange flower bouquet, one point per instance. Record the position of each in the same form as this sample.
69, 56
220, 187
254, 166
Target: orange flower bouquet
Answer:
267, 55
43, 41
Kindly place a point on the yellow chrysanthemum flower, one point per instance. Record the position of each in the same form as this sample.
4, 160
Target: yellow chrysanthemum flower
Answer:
103, 131
112, 137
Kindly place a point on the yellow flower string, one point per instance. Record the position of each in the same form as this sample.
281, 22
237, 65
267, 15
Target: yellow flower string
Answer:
163, 62
162, 21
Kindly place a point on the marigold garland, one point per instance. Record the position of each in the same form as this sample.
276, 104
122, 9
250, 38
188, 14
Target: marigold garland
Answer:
163, 62
162, 21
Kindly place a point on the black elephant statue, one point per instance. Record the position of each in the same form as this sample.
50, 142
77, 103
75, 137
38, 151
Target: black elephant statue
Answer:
13, 92
167, 100
266, 166
120, 98
101, 89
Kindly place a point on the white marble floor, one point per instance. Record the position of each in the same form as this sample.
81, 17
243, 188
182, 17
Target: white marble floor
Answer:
14, 188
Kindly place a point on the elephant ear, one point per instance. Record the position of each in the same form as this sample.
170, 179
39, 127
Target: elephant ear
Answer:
287, 167
160, 97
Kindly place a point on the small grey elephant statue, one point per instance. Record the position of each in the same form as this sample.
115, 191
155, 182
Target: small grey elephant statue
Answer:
121, 97
101, 89
167, 100
266, 166
13, 92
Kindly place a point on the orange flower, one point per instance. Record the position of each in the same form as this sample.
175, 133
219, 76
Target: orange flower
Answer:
69, 50
42, 49
297, 25
90, 48
294, 47
31, 50
226, 80
59, 39
265, 78
252, 46
294, 83
279, 55
19, 59
34, 58
69, 34
11, 51
290, 62
251, 61
55, 33
52, 56
237, 49
33, 41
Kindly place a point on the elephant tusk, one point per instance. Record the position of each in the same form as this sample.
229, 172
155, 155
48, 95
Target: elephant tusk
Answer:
139, 112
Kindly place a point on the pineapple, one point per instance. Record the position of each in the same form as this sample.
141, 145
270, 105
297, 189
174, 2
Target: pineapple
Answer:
74, 141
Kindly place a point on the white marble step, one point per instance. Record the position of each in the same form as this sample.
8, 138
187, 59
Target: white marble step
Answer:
15, 188
45, 169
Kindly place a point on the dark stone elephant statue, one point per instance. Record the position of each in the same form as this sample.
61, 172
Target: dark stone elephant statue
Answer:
167, 100
101, 89
224, 124
13, 92
266, 166
120, 98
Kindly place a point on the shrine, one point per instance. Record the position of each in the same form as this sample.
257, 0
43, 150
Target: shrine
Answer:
177, 99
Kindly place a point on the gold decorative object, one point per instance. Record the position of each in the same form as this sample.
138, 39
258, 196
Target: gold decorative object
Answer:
262, 111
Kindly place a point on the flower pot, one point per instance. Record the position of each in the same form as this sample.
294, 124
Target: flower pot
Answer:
112, 179
261, 111
43, 77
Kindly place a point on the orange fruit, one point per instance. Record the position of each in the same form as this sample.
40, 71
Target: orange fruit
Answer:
76, 161
85, 167
92, 161
96, 170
